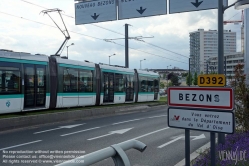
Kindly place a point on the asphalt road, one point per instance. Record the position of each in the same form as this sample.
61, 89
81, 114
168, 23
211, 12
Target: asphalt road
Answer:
63, 141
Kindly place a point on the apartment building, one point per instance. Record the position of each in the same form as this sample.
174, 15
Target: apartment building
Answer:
230, 61
204, 45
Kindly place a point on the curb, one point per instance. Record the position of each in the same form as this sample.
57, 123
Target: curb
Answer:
33, 120
195, 154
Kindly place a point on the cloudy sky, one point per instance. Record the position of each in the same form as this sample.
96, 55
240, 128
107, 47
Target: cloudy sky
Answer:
24, 28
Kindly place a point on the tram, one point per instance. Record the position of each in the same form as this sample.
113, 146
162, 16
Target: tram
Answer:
35, 82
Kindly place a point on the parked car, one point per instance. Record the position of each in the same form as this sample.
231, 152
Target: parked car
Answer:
162, 92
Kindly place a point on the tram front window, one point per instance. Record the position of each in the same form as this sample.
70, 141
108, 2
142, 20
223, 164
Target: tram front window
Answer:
9, 81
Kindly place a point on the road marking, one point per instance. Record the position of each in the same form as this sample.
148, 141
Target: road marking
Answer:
20, 145
174, 140
151, 133
178, 138
112, 132
61, 127
82, 131
139, 119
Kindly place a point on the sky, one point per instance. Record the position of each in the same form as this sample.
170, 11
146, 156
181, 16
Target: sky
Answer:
24, 28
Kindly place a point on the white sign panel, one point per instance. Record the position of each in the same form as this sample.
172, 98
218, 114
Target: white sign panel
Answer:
178, 6
222, 122
141, 8
95, 11
195, 97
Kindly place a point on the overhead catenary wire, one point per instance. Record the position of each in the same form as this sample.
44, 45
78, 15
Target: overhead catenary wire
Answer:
112, 31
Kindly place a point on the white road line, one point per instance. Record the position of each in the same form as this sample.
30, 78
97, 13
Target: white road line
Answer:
20, 145
99, 137
81, 131
61, 127
139, 119
163, 145
151, 133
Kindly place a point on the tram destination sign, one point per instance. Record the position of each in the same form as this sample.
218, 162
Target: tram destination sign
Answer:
141, 8
95, 11
212, 80
179, 6
213, 121
200, 97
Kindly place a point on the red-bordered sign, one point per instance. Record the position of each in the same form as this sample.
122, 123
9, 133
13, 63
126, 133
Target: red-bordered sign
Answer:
196, 97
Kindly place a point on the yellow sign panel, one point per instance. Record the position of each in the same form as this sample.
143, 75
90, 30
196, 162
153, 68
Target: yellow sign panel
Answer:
212, 80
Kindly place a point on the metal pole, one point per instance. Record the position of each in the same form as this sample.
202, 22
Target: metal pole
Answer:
189, 71
225, 65
109, 60
187, 133
126, 47
207, 69
221, 137
67, 51
213, 155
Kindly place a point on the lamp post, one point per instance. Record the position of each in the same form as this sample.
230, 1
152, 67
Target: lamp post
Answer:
110, 57
67, 49
240, 4
167, 76
140, 63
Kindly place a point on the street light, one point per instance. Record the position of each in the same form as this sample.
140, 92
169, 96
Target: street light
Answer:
240, 4
140, 63
67, 49
110, 57
167, 76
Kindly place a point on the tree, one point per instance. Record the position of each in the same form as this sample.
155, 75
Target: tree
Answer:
195, 81
184, 74
164, 75
162, 85
241, 98
189, 80
175, 80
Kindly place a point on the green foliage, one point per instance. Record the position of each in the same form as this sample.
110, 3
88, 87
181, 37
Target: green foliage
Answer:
162, 85
195, 81
175, 80
164, 75
241, 98
189, 79
184, 74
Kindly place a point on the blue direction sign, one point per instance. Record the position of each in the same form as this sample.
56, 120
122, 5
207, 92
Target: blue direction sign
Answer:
178, 6
141, 8
95, 11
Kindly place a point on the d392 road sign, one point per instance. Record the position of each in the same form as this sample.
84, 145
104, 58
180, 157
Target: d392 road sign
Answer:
212, 80
196, 97
141, 8
178, 6
95, 11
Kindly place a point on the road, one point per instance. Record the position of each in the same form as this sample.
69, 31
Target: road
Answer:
30, 146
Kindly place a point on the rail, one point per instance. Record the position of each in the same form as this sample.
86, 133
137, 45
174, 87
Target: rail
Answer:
115, 151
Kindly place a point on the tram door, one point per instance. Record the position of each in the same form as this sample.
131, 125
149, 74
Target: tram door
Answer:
108, 87
34, 86
129, 88
156, 89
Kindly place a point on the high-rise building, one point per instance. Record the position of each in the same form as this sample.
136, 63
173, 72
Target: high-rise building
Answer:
204, 45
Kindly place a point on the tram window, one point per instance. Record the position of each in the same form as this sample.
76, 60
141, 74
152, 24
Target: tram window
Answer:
40, 76
70, 77
10, 80
131, 81
150, 85
85, 81
119, 83
143, 84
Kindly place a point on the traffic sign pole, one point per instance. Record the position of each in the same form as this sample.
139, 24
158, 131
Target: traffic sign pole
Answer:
126, 46
221, 137
187, 133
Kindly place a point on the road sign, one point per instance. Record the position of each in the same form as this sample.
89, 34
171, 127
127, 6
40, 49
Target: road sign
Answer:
215, 121
141, 8
212, 80
95, 11
196, 97
178, 6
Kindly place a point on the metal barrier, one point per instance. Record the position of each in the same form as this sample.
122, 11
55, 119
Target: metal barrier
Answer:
116, 151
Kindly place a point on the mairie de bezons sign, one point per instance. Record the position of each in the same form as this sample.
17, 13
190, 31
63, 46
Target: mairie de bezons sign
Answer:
198, 97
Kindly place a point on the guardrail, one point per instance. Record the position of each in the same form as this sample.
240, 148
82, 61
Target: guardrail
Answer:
115, 151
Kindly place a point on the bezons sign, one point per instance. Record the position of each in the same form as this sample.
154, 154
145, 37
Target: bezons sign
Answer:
195, 97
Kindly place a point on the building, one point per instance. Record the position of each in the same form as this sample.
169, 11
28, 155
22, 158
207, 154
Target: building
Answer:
164, 72
204, 45
230, 61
